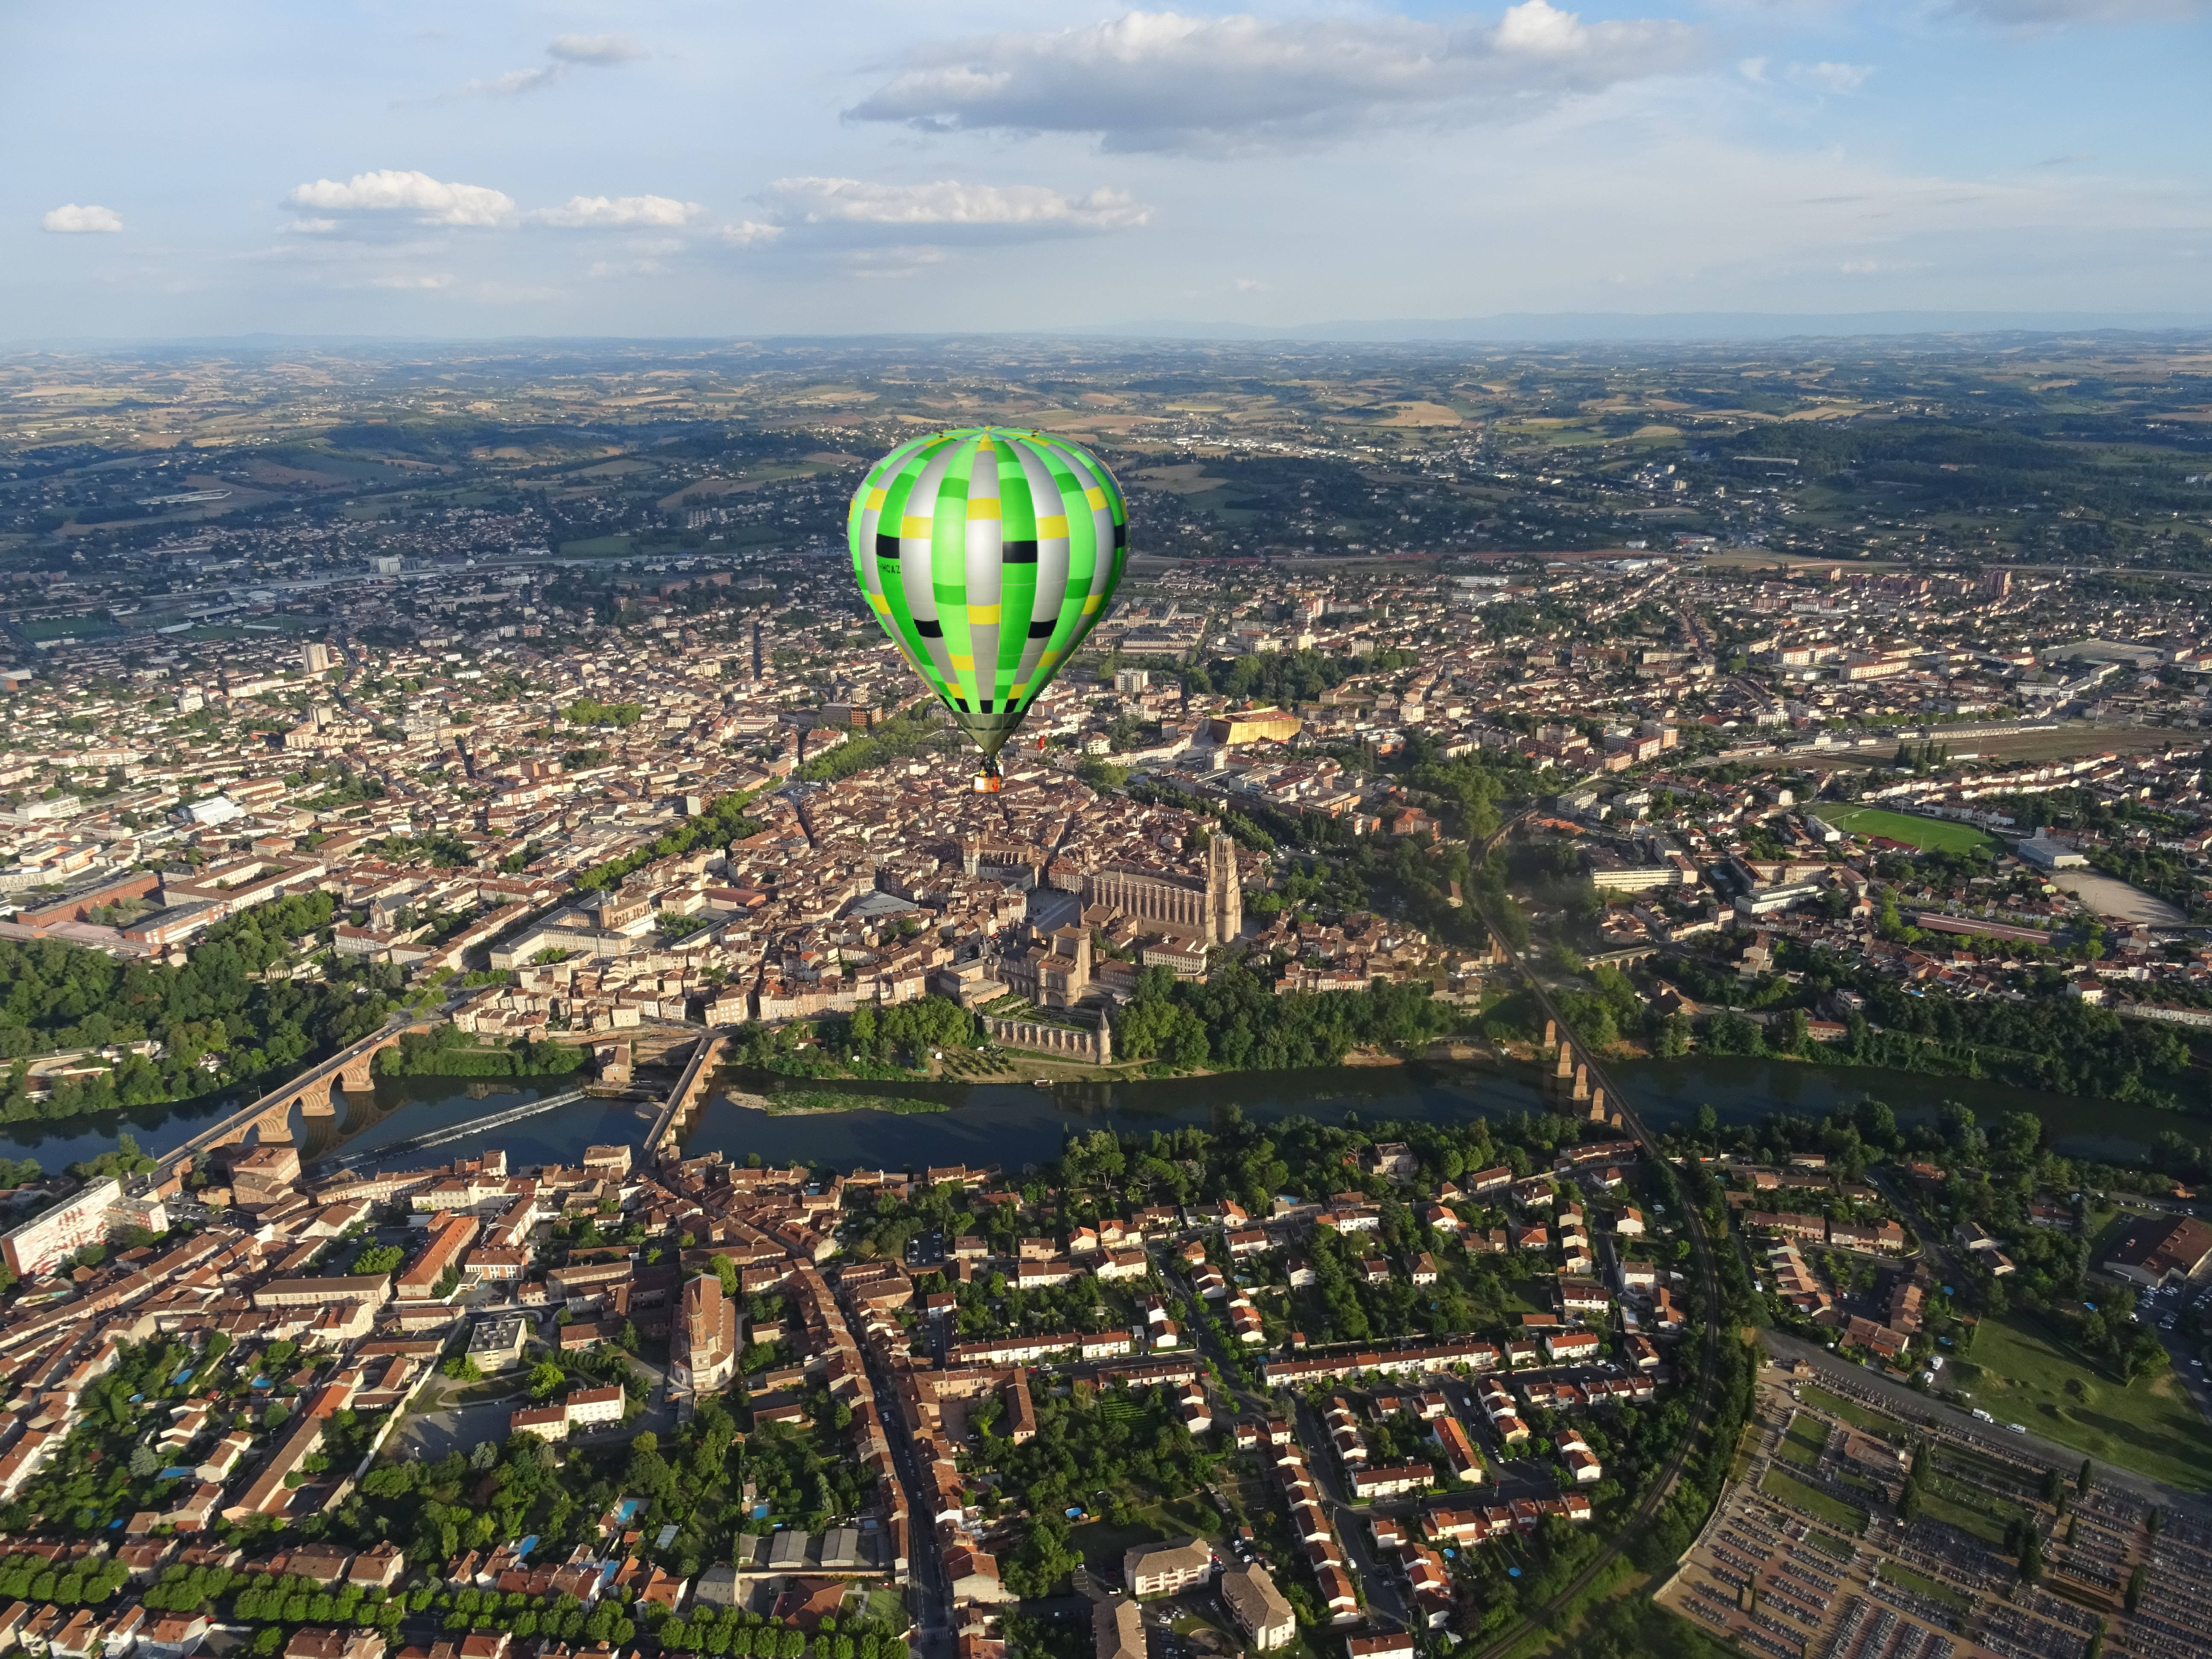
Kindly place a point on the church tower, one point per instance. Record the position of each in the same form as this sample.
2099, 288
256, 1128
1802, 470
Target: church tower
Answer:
1225, 893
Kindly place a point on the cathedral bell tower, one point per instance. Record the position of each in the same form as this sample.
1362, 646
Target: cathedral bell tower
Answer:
1225, 893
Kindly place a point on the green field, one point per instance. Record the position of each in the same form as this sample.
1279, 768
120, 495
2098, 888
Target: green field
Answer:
1785, 1487
1102, 1543
1807, 1439
66, 628
1963, 1508
1858, 1415
1828, 1544
2021, 1375
1921, 1584
1930, 833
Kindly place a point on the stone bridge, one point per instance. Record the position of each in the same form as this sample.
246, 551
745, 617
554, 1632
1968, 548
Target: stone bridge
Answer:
314, 1092
1570, 1087
689, 1094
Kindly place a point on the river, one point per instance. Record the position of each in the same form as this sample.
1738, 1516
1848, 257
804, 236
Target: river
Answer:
416, 1122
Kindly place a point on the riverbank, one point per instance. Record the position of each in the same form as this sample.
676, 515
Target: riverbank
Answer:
1010, 1122
447, 1052
1022, 1066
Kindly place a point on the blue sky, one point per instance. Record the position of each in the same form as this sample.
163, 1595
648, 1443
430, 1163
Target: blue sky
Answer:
720, 169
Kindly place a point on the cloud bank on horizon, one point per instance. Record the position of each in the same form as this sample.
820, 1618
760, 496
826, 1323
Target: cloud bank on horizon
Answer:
1065, 164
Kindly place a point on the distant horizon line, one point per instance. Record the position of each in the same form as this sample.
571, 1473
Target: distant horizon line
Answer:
1519, 328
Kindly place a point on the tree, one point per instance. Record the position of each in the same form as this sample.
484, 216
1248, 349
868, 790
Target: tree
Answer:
545, 1376
2082, 1481
462, 1369
144, 1461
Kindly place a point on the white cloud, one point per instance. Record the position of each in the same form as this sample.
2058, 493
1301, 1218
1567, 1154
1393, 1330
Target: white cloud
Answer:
1831, 77
949, 201
1250, 285
567, 52
71, 220
407, 281
311, 227
618, 212
1536, 26
747, 233
515, 81
1159, 81
602, 50
392, 191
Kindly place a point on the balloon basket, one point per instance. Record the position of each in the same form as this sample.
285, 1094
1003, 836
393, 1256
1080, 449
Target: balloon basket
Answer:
988, 778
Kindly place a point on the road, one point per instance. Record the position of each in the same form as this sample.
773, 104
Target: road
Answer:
2181, 1350
1935, 1242
1961, 1424
1384, 1594
934, 1635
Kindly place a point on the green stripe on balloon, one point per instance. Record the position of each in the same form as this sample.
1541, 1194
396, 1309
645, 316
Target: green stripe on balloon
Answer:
992, 577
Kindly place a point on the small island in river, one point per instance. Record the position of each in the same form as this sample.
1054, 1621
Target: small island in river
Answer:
797, 1102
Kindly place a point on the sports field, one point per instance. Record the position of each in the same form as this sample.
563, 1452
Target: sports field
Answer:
2019, 1373
1933, 833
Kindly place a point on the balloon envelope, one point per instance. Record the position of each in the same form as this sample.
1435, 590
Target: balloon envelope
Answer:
988, 555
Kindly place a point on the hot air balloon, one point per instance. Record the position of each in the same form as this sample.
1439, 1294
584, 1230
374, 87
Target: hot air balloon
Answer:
988, 555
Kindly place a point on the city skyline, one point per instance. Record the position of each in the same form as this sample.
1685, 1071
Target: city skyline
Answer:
662, 170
